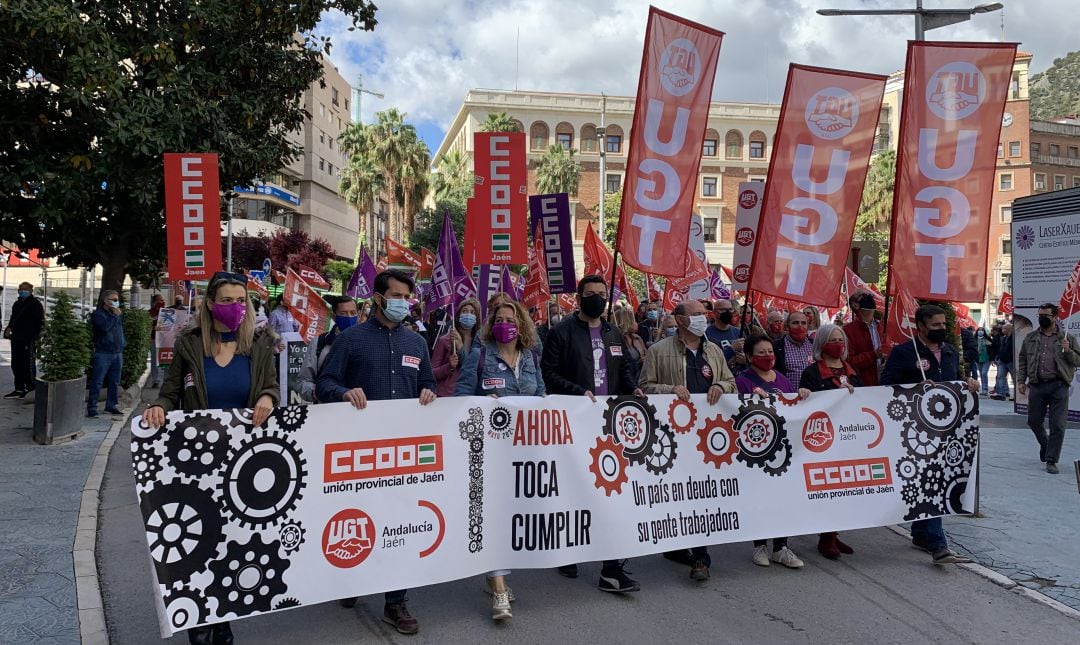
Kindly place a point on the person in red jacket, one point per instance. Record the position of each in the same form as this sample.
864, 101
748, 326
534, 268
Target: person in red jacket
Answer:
866, 338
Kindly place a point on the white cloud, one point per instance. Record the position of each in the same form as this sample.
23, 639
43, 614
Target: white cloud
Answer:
424, 56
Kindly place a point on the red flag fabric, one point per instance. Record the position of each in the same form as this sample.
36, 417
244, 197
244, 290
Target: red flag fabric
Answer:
900, 327
537, 293
567, 302
674, 92
1005, 304
820, 157
695, 270
397, 253
279, 277
306, 305
963, 316
854, 283
381, 265
954, 96
1070, 298
672, 297
627, 288
192, 215
652, 287
497, 217
312, 277
598, 261
258, 287
427, 263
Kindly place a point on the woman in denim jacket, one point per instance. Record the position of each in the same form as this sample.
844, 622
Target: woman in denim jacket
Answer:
504, 364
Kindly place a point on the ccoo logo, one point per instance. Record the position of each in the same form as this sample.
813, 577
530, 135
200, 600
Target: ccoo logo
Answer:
349, 538
680, 67
955, 90
831, 113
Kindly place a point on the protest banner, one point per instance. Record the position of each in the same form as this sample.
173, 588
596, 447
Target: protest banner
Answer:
169, 325
747, 214
328, 502
496, 217
312, 277
192, 215
398, 254
820, 157
537, 295
290, 362
675, 85
552, 212
306, 306
946, 162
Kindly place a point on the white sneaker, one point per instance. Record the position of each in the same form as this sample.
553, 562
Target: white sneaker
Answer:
509, 593
787, 557
761, 555
500, 608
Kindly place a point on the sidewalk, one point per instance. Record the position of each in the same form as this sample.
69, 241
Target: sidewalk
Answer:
40, 493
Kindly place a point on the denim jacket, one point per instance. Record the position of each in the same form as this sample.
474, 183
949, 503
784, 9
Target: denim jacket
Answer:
497, 377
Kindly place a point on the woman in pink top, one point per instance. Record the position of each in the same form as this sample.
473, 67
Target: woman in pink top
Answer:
452, 348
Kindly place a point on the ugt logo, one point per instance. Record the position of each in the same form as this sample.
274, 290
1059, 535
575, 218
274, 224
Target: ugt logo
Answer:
748, 199
955, 90
831, 113
680, 67
744, 236
349, 538
818, 432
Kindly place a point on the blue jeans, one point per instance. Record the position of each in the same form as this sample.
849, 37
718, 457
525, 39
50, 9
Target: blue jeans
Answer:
984, 375
105, 368
930, 534
1001, 388
394, 597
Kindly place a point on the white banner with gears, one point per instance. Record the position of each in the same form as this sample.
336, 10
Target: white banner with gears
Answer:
327, 501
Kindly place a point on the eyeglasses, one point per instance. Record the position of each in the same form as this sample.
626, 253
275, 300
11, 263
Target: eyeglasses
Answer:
231, 278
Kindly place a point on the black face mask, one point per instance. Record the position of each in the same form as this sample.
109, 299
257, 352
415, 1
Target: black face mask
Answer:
867, 302
937, 335
724, 317
592, 306
1046, 322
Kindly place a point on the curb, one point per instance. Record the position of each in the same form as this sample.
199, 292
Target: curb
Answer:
1005, 582
91, 607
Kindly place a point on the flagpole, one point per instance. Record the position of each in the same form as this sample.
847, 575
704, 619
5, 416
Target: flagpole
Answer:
614, 268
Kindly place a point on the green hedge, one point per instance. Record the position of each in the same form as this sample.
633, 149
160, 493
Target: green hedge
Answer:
137, 326
64, 347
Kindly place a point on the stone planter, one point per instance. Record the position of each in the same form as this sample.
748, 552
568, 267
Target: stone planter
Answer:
59, 410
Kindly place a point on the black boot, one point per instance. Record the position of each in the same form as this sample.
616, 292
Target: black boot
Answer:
201, 635
223, 634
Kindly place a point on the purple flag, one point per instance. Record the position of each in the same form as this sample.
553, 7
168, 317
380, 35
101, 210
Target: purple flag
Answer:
552, 214
509, 286
717, 289
362, 282
450, 282
488, 283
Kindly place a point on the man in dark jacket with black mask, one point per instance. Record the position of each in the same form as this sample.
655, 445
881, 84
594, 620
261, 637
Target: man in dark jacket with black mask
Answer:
583, 355
25, 324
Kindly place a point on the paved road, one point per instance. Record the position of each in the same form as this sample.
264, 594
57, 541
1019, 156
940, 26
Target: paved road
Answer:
886, 593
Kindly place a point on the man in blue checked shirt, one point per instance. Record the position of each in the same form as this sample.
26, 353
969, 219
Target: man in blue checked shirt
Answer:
379, 360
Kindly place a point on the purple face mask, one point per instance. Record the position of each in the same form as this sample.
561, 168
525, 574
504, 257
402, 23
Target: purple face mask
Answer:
230, 315
504, 332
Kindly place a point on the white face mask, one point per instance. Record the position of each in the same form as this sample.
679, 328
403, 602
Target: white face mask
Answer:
698, 324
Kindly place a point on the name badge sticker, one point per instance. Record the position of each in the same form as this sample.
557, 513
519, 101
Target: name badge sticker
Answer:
493, 383
616, 350
410, 361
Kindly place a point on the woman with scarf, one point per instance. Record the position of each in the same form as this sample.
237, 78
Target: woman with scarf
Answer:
453, 347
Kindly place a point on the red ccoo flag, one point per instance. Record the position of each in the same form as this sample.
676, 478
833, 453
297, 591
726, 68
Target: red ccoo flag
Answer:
1070, 298
1005, 305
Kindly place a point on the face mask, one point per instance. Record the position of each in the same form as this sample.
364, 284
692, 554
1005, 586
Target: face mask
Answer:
395, 310
230, 315
344, 322
1046, 322
698, 325
652, 315
724, 317
670, 331
834, 348
937, 335
504, 332
467, 321
798, 334
23, 294
776, 328
592, 306
867, 302
763, 363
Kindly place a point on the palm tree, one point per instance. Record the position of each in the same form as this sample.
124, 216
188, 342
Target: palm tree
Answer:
499, 122
362, 178
454, 178
412, 177
557, 172
877, 201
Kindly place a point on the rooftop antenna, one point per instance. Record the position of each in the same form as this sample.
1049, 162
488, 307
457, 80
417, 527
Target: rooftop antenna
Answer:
517, 56
1002, 24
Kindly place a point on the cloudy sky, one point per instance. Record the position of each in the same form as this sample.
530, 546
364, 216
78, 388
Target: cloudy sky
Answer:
425, 55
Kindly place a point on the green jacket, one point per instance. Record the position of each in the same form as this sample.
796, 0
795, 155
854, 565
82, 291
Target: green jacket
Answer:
665, 366
184, 387
1067, 361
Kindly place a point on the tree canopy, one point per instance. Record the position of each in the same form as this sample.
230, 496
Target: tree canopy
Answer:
557, 172
499, 122
1056, 92
95, 93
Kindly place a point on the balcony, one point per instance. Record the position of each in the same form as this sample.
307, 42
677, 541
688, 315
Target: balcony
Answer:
1055, 161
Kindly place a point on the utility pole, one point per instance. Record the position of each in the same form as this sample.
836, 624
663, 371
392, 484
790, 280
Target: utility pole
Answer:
925, 19
602, 140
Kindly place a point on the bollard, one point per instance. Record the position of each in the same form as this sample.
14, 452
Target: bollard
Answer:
1076, 464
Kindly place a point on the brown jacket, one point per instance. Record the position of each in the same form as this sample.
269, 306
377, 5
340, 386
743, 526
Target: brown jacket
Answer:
184, 387
665, 366
1065, 361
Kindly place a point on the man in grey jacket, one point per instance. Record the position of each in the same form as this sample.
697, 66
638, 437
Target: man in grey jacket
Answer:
345, 316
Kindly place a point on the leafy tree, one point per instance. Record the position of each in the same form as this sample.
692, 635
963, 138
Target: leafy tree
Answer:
1056, 92
875, 213
293, 248
65, 345
612, 206
429, 223
338, 273
362, 179
105, 88
248, 251
454, 180
557, 172
499, 122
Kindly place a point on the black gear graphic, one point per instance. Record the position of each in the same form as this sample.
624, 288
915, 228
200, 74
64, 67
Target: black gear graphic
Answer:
953, 494
919, 442
184, 608
639, 416
242, 417
663, 451
183, 528
292, 536
938, 409
922, 510
291, 417
954, 453
760, 431
907, 468
932, 481
263, 480
476, 445
286, 603
142, 431
499, 419
197, 445
476, 473
248, 578
898, 410
144, 463
938, 406
474, 546
473, 426
909, 492
970, 438
776, 467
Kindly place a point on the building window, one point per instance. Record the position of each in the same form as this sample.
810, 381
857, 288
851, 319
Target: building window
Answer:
1001, 150
538, 134
330, 142
710, 229
322, 137
588, 138
1076, 181
708, 186
884, 130
760, 180
322, 109
1006, 246
1014, 148
1036, 148
1055, 150
322, 164
1014, 86
564, 139
709, 149
334, 96
1005, 214
1074, 152
1040, 181
330, 168
613, 184
346, 105
757, 145
1005, 182
733, 145
614, 143
1059, 182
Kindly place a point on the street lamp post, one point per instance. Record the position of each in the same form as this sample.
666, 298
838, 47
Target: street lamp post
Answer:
925, 19
602, 143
